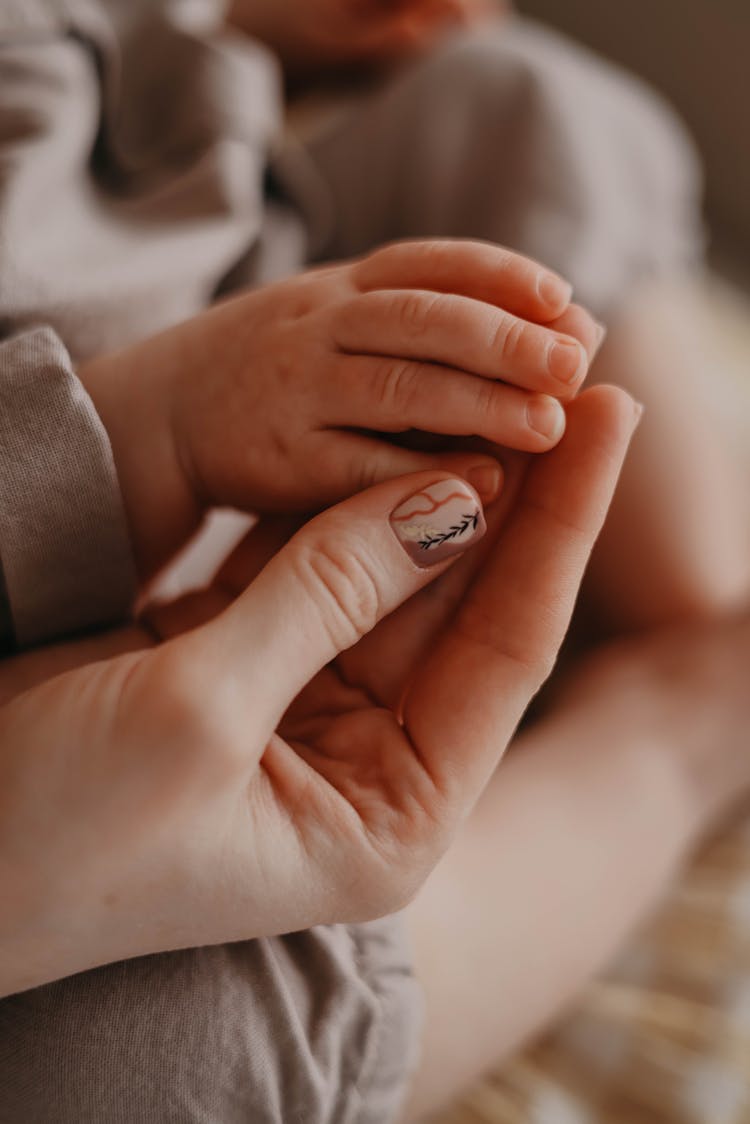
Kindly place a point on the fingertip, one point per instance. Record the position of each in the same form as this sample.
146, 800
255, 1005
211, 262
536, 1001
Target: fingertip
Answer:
601, 335
485, 474
554, 292
576, 322
486, 479
609, 406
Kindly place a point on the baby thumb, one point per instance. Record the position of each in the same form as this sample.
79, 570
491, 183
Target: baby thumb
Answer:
337, 577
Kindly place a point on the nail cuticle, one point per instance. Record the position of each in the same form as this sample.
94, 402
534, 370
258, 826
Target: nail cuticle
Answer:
559, 361
545, 416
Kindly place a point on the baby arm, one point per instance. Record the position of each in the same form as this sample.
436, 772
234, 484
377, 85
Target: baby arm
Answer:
287, 398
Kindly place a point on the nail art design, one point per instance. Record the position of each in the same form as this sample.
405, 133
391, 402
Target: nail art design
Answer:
441, 520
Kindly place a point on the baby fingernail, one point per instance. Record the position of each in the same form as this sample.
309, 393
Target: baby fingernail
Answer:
486, 480
553, 290
601, 331
442, 520
565, 359
545, 415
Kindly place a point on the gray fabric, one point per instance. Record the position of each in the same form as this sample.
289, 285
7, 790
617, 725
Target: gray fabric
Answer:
62, 526
155, 139
21, 18
317, 1027
524, 138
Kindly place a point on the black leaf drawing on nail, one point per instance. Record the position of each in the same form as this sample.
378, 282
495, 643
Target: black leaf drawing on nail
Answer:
453, 532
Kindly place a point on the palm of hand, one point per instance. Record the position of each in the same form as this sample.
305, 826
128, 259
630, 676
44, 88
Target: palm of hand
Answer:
360, 799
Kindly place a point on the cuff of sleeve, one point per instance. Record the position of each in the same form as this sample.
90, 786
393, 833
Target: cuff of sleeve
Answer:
64, 545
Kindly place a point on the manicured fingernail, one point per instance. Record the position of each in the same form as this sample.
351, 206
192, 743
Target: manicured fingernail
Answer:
565, 360
438, 522
545, 414
486, 480
554, 291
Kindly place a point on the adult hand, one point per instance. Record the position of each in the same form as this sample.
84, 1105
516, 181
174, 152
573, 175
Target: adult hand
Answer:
235, 782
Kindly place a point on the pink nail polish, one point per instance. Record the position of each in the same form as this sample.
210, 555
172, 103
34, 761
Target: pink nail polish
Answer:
442, 520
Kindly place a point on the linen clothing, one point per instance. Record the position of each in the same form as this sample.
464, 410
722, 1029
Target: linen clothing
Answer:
316, 1026
136, 140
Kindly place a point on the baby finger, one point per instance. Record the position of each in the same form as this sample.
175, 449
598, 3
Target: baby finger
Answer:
393, 395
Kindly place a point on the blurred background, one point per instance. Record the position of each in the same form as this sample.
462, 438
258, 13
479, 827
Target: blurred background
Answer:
697, 52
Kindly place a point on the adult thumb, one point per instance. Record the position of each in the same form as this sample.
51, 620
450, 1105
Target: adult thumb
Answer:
335, 579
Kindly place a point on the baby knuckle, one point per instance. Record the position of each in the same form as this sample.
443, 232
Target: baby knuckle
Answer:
508, 337
437, 253
365, 473
342, 584
485, 399
383, 258
392, 258
511, 262
395, 384
415, 313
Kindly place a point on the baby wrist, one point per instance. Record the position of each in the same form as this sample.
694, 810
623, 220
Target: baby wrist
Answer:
132, 392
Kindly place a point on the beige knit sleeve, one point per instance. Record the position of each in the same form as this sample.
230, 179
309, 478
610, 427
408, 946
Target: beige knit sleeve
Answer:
65, 555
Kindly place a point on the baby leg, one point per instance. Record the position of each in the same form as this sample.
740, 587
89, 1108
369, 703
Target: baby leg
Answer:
676, 543
573, 842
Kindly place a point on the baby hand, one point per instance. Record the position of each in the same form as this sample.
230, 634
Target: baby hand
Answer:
288, 397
